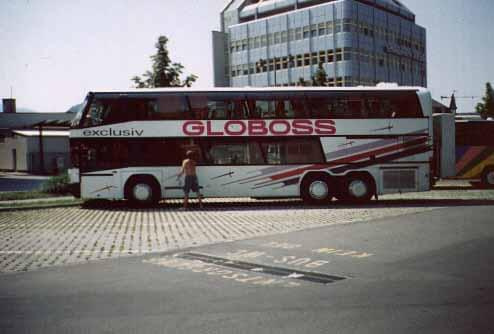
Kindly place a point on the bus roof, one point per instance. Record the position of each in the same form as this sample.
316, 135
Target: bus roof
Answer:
260, 89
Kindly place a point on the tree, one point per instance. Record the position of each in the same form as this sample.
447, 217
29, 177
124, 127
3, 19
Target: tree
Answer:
302, 82
164, 73
486, 107
320, 78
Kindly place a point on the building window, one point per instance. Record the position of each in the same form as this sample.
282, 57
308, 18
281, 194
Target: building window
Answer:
313, 30
271, 64
299, 61
298, 34
277, 63
337, 26
347, 25
306, 32
291, 35
329, 27
347, 53
307, 59
321, 29
277, 38
322, 56
251, 68
314, 58
330, 56
270, 39
339, 55
283, 37
264, 41
284, 62
257, 42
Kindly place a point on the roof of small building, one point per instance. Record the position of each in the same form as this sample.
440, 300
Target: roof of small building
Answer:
13, 121
35, 133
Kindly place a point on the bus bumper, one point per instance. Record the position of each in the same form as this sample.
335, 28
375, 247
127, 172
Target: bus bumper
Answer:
74, 182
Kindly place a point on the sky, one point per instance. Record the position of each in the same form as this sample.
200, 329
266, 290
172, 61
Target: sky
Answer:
52, 52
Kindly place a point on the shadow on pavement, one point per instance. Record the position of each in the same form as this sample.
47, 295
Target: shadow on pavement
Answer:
283, 204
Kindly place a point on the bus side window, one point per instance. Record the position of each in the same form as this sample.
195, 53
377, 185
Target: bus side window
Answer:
299, 107
238, 111
373, 105
170, 106
388, 110
339, 108
280, 111
198, 106
406, 105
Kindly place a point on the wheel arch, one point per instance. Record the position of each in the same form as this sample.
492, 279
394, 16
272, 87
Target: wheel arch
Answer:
361, 174
487, 169
141, 177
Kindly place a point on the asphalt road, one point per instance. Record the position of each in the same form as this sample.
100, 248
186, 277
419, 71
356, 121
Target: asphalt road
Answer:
429, 272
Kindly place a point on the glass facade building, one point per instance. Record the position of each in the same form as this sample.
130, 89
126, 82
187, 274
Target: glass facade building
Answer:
282, 42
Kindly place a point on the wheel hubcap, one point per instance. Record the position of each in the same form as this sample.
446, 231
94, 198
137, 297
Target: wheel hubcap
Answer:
490, 178
357, 188
142, 192
318, 189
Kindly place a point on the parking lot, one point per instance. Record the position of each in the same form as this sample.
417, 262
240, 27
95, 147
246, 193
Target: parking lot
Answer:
32, 239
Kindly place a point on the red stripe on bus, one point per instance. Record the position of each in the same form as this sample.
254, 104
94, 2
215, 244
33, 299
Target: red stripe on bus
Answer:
379, 151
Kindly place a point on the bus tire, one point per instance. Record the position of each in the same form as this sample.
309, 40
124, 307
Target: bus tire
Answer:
488, 177
143, 190
317, 189
357, 188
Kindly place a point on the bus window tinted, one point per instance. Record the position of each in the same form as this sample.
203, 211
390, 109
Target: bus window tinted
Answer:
276, 105
217, 106
116, 110
231, 153
118, 153
170, 107
293, 151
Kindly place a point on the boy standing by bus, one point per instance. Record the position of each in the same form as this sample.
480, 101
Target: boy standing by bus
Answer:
191, 182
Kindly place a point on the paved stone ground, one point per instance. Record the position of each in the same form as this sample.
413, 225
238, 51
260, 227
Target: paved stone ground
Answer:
32, 239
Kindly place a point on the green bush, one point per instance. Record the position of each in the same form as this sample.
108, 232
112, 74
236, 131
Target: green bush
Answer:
56, 184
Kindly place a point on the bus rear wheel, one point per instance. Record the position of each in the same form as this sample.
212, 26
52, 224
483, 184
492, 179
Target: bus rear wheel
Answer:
316, 189
357, 189
488, 177
142, 191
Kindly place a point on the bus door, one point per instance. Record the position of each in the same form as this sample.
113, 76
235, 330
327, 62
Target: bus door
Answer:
102, 185
213, 171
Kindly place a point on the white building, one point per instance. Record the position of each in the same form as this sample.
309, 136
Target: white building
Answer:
358, 42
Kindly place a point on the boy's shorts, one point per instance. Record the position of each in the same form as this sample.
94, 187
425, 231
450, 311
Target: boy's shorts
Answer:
191, 183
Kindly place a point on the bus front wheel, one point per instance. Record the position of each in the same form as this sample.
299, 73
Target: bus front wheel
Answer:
142, 190
316, 189
488, 177
358, 188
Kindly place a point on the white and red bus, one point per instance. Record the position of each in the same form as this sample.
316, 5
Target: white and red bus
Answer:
313, 143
